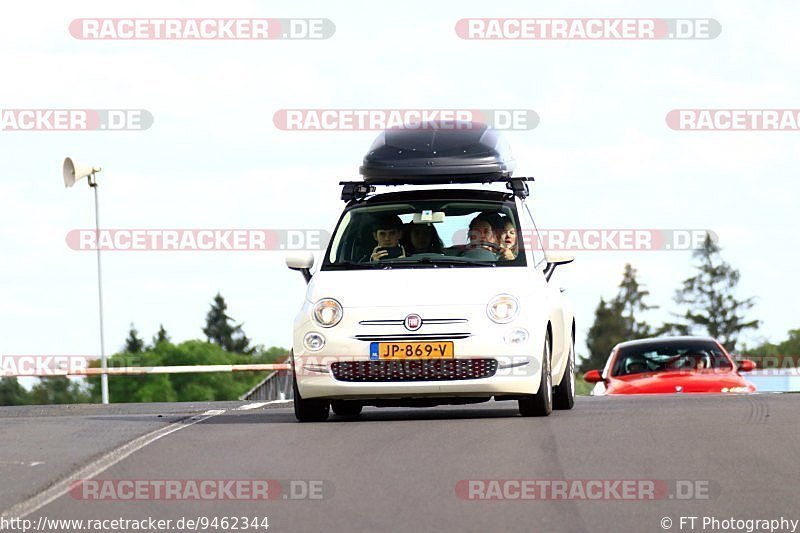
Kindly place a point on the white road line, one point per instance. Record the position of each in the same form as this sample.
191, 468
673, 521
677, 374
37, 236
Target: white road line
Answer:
249, 406
256, 405
24, 508
22, 463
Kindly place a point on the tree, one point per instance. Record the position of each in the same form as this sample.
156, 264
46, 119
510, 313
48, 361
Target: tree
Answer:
608, 329
133, 344
209, 386
708, 295
161, 336
631, 301
59, 390
785, 354
221, 331
12, 393
616, 321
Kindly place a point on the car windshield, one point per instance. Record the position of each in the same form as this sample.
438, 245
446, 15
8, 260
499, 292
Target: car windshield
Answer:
427, 234
691, 356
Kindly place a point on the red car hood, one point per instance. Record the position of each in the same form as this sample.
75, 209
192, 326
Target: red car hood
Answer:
679, 382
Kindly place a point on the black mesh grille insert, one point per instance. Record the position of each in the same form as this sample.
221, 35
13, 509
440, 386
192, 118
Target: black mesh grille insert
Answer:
414, 370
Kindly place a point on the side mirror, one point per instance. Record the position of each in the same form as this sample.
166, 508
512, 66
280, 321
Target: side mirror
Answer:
593, 376
554, 260
746, 365
302, 262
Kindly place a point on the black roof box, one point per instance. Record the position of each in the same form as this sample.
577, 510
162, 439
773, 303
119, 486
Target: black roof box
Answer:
466, 152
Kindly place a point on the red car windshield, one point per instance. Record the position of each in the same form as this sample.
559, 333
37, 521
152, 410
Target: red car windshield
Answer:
667, 356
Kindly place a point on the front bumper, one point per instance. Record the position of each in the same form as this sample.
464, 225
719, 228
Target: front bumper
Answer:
473, 335
518, 375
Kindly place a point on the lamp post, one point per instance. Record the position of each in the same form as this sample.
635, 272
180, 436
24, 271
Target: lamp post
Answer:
72, 173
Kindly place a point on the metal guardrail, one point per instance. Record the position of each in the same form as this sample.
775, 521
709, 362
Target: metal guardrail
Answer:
140, 370
276, 386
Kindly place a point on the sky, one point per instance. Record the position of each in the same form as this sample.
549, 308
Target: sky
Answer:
603, 155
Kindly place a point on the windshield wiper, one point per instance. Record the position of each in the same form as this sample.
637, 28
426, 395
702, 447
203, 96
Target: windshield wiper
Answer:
354, 265
445, 261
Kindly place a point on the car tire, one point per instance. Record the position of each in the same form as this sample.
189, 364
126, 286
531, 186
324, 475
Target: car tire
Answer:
346, 408
564, 393
541, 403
315, 410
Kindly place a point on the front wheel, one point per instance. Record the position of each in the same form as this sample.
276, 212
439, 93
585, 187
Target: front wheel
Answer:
315, 410
541, 403
564, 395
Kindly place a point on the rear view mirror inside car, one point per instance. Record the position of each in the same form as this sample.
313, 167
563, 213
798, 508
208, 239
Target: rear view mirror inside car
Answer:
427, 216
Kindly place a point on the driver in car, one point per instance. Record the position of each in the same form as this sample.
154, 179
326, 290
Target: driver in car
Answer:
482, 233
387, 232
698, 360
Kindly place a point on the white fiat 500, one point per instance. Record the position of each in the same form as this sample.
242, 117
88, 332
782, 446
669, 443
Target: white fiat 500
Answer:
434, 288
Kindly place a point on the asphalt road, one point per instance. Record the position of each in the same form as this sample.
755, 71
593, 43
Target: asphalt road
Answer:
399, 469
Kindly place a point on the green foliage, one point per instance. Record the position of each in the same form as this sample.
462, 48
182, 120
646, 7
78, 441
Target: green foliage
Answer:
220, 330
782, 355
273, 354
48, 391
12, 393
58, 390
630, 302
581, 387
183, 387
161, 336
711, 306
133, 344
616, 321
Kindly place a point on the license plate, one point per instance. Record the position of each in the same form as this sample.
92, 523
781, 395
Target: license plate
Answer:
411, 350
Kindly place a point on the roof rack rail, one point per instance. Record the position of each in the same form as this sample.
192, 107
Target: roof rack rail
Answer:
358, 190
355, 190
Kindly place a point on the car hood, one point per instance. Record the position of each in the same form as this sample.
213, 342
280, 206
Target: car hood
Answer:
679, 382
422, 286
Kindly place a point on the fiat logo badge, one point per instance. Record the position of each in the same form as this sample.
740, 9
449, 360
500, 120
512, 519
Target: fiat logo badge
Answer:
412, 322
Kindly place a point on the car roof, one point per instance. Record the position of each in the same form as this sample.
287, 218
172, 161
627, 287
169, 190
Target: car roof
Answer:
665, 339
482, 195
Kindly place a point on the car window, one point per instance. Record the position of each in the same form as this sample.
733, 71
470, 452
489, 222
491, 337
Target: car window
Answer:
669, 356
429, 234
533, 239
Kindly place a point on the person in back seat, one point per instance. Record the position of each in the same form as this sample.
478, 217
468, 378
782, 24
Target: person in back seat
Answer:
422, 239
387, 232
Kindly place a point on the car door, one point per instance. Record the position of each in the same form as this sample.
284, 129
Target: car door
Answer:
561, 309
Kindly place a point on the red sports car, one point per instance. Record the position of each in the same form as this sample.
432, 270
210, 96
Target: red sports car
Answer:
670, 365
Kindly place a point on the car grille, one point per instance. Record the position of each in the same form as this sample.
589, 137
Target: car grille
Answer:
414, 370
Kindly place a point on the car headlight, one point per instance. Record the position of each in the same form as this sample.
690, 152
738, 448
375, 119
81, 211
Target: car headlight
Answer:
327, 312
503, 308
735, 389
